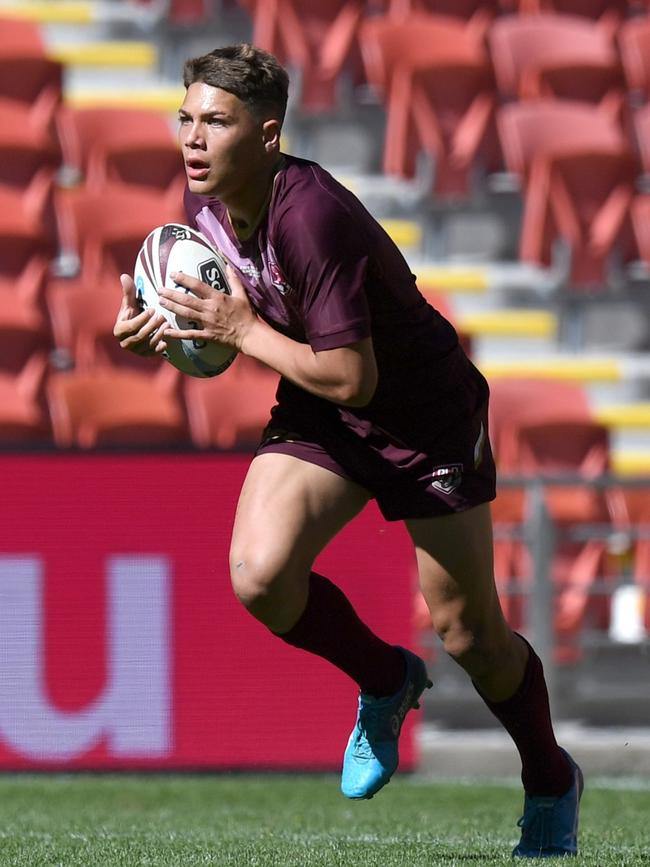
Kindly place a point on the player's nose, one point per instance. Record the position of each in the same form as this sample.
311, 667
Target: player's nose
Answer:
194, 138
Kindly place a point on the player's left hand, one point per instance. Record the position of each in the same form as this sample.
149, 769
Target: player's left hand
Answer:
220, 317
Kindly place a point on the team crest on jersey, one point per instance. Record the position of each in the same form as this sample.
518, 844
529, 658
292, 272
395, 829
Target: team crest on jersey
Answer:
277, 277
446, 479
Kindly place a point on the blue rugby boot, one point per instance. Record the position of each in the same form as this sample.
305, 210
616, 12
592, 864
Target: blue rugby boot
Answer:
549, 826
371, 756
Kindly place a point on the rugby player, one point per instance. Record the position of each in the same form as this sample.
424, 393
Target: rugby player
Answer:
376, 400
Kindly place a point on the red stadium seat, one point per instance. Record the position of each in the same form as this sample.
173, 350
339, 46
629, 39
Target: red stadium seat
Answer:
523, 400
23, 326
465, 9
20, 34
231, 410
561, 56
31, 89
109, 407
30, 209
21, 161
511, 580
609, 13
641, 226
105, 229
477, 13
189, 13
634, 45
513, 402
642, 135
30, 77
527, 129
28, 227
127, 145
577, 605
436, 81
318, 38
578, 173
641, 204
82, 317
22, 237
27, 282
573, 448
528, 418
564, 446
637, 501
35, 124
23, 414
544, 427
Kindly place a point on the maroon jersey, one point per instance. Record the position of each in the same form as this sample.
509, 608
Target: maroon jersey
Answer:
320, 269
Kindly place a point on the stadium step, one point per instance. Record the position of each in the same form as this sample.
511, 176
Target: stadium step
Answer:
72, 12
165, 98
111, 53
631, 462
407, 234
625, 415
451, 278
580, 368
509, 323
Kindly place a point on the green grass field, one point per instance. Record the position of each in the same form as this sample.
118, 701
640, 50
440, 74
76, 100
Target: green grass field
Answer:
302, 821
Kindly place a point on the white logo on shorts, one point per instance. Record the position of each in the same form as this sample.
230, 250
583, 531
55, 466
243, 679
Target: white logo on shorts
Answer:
447, 479
478, 447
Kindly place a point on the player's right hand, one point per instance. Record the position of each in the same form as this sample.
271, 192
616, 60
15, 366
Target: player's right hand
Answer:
138, 331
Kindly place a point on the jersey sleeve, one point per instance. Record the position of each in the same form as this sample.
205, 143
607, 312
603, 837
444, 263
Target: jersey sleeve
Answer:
324, 261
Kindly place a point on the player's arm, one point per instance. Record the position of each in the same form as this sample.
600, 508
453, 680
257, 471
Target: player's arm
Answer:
137, 331
346, 375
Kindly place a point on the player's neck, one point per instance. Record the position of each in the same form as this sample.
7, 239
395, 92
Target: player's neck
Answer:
245, 217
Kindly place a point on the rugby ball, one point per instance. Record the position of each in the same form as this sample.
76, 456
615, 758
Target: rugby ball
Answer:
166, 250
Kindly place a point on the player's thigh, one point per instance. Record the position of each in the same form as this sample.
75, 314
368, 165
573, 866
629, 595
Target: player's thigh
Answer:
455, 567
288, 510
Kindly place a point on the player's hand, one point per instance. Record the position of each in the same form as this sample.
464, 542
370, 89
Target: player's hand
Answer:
219, 317
138, 331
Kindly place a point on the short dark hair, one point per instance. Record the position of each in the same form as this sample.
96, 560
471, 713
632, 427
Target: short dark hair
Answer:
251, 74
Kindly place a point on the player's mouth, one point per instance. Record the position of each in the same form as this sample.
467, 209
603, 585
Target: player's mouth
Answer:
197, 170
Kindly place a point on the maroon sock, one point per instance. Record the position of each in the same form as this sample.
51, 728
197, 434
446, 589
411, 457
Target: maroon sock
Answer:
330, 628
526, 716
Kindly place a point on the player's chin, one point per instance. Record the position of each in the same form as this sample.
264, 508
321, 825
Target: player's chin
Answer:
202, 186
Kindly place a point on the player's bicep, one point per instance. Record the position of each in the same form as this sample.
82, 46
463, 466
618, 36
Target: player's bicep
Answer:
326, 260
353, 368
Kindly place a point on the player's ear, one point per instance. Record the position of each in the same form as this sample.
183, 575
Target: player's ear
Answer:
271, 135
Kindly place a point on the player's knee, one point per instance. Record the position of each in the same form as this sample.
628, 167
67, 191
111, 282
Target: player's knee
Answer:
251, 580
261, 577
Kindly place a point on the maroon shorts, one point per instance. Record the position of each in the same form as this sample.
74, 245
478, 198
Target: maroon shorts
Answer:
456, 473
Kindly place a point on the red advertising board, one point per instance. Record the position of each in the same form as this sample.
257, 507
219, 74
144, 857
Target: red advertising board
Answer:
121, 644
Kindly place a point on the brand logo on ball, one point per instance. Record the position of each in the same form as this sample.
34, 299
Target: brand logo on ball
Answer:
210, 273
180, 233
447, 479
141, 301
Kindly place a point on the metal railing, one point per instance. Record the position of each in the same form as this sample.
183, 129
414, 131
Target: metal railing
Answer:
542, 536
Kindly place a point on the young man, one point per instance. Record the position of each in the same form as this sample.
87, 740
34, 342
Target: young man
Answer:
376, 399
